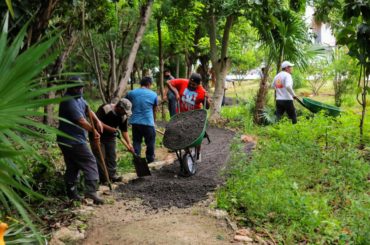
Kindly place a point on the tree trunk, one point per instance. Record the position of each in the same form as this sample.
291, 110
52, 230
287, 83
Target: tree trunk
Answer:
187, 67
364, 88
177, 66
161, 66
98, 71
144, 18
221, 65
54, 74
41, 21
261, 97
203, 70
113, 71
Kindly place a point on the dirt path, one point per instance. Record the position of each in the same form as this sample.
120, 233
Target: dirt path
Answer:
165, 208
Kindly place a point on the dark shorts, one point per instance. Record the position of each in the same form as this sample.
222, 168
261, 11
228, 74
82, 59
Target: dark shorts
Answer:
287, 106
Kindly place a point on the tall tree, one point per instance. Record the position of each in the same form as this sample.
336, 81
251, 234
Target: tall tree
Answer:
144, 18
283, 33
219, 59
350, 20
355, 33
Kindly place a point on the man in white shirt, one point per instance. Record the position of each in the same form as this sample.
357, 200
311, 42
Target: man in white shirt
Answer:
283, 85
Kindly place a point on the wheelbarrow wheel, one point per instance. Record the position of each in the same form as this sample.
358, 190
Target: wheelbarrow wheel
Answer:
189, 165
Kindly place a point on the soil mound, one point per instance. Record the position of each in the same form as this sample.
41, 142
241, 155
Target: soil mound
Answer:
165, 189
184, 129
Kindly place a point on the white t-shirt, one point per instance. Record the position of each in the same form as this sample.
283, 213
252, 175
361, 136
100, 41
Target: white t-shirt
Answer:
283, 84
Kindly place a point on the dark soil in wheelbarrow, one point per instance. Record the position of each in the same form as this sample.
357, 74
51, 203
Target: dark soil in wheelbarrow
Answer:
164, 188
184, 129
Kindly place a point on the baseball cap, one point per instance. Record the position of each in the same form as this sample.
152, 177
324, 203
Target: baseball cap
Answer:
126, 105
76, 80
286, 64
195, 77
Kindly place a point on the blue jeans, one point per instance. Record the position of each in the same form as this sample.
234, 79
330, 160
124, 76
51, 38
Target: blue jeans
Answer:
148, 133
171, 103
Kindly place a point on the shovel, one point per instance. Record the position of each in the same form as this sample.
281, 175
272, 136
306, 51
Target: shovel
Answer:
101, 156
140, 163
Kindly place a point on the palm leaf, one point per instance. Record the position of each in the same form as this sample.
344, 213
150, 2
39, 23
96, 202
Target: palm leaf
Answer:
21, 97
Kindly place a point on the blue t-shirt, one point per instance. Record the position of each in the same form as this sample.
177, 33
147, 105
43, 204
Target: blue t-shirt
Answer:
72, 110
143, 100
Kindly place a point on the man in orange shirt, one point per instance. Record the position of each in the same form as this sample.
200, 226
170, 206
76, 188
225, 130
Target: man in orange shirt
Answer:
189, 92
191, 96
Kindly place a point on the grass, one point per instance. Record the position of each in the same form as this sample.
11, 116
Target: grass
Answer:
304, 183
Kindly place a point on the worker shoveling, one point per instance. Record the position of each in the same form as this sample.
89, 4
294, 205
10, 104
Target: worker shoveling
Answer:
184, 135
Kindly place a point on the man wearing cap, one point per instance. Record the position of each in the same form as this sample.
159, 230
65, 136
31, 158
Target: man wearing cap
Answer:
283, 85
77, 155
113, 116
144, 105
190, 94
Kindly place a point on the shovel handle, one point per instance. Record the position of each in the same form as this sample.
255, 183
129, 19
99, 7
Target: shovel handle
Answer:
159, 131
102, 161
125, 144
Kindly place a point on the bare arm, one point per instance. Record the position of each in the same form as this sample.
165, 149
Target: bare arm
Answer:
86, 125
108, 128
126, 138
173, 89
98, 123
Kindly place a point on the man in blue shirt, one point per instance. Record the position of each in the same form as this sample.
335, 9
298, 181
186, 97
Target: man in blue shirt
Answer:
144, 105
77, 155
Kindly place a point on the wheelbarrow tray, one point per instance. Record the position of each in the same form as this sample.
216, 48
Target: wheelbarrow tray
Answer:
316, 106
176, 135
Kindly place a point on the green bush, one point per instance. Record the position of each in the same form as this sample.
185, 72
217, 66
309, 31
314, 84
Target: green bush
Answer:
298, 79
305, 182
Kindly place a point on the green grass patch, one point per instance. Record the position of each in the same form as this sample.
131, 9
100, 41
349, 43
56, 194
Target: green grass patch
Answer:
304, 183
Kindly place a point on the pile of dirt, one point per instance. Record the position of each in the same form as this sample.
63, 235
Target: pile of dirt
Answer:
184, 129
165, 189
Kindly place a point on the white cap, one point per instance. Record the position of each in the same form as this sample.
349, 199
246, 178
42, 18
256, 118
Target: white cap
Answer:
285, 64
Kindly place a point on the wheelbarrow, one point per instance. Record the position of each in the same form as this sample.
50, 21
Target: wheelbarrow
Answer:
316, 106
183, 134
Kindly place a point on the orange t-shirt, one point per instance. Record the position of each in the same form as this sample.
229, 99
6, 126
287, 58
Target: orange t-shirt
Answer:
189, 100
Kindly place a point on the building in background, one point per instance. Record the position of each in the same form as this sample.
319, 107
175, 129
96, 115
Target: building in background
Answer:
321, 32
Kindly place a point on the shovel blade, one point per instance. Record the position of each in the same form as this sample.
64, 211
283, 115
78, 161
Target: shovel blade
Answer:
141, 166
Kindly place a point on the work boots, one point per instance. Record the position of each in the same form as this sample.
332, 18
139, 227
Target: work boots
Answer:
72, 192
90, 191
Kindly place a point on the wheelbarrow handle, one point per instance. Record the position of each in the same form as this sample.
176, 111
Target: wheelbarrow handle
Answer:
300, 101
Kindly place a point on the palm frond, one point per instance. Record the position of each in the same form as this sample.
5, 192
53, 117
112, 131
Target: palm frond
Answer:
21, 97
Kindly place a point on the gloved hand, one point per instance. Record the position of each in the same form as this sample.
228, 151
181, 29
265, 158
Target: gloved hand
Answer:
117, 134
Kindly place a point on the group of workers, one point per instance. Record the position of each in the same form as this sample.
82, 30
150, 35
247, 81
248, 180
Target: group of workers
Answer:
110, 121
138, 108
